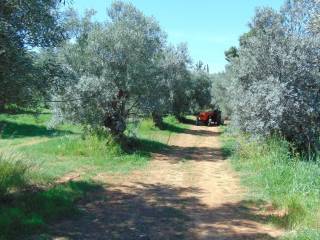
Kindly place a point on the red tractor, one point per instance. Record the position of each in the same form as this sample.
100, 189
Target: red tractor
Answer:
209, 118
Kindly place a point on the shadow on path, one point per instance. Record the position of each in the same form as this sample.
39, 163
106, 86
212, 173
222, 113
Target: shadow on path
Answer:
148, 207
198, 132
157, 211
175, 154
204, 133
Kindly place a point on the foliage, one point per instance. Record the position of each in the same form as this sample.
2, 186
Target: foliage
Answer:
276, 175
178, 61
231, 53
273, 83
201, 88
220, 90
112, 64
168, 69
122, 70
23, 25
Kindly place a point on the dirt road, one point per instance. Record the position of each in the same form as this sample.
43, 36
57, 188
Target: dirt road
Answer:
187, 192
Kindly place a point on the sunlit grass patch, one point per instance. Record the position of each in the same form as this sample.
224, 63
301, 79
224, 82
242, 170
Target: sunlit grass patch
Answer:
146, 129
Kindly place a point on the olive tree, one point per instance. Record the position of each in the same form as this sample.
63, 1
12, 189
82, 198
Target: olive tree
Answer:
172, 86
24, 25
275, 78
113, 70
159, 99
201, 84
179, 64
221, 92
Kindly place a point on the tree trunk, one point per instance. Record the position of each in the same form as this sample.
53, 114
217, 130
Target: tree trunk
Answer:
2, 106
117, 125
158, 120
180, 118
116, 120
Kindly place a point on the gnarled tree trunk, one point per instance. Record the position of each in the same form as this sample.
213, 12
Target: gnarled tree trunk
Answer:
158, 120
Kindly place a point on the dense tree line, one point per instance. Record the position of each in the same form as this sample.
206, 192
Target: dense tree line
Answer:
272, 81
98, 74
25, 25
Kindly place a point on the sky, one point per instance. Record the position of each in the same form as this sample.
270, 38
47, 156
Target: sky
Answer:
209, 27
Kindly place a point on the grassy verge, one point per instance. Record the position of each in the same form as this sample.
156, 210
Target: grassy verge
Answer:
274, 174
59, 151
26, 208
33, 157
147, 130
30, 212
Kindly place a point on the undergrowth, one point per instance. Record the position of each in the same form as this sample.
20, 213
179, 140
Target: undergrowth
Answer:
13, 173
274, 173
26, 208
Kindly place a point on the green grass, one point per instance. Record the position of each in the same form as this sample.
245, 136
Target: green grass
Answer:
147, 130
58, 151
30, 212
274, 174
13, 173
31, 155
90, 155
17, 129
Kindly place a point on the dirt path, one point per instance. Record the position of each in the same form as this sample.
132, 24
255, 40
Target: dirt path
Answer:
187, 192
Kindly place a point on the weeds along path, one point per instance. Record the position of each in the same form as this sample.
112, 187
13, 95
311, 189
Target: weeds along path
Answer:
187, 192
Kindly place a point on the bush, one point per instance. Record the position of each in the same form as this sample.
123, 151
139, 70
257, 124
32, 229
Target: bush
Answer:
13, 173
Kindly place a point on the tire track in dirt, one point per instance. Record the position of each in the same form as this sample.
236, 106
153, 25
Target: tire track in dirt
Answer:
188, 191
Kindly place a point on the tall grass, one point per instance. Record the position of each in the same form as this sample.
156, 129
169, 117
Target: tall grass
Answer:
13, 173
277, 175
23, 210
88, 156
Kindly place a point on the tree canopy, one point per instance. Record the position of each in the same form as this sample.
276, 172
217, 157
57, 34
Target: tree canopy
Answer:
273, 80
25, 25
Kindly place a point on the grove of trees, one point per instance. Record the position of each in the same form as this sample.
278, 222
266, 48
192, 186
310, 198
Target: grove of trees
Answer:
97, 74
25, 25
271, 85
105, 74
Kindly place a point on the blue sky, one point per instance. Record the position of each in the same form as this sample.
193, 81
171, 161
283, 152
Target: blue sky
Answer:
209, 27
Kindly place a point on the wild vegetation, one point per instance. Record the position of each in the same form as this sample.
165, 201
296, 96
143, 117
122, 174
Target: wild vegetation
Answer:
79, 98
82, 97
37, 166
272, 86
276, 175
272, 79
